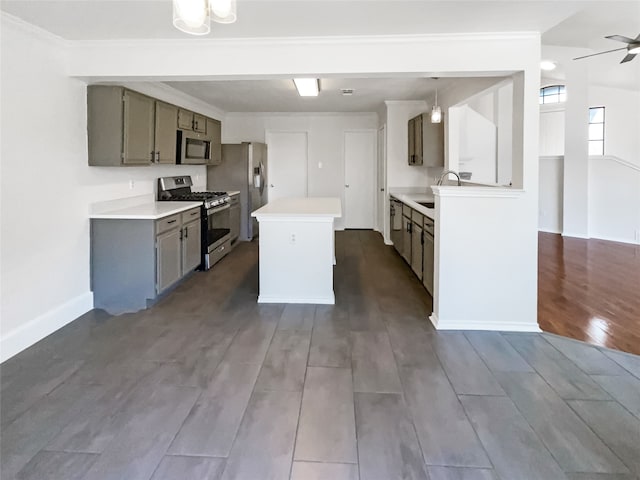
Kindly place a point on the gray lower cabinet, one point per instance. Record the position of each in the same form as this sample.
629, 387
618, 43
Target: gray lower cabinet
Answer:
428, 252
168, 259
191, 244
134, 261
416, 246
406, 239
234, 218
396, 224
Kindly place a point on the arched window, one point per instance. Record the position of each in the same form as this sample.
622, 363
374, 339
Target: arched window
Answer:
553, 94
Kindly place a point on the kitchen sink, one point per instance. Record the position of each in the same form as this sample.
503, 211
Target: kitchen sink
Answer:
427, 204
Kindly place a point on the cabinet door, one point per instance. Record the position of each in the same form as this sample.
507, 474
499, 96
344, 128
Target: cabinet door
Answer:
411, 130
214, 132
433, 138
234, 222
199, 123
185, 119
427, 264
191, 245
406, 239
138, 129
165, 134
396, 226
168, 259
416, 249
417, 140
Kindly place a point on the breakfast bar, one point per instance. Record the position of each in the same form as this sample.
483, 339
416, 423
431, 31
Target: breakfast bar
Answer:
297, 250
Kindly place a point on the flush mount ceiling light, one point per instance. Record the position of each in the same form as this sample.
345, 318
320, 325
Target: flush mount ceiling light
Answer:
436, 111
307, 87
547, 65
194, 16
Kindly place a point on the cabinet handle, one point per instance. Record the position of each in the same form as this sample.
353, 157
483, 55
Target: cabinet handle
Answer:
153, 156
158, 156
172, 221
181, 234
186, 232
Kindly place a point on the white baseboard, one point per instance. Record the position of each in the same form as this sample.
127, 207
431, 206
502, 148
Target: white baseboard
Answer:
440, 324
328, 300
575, 235
35, 330
546, 230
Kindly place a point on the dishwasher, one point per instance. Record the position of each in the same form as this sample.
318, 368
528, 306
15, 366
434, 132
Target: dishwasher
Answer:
427, 257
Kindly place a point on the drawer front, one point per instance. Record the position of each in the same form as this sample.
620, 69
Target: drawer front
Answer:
219, 252
406, 211
191, 215
417, 217
167, 223
234, 199
428, 225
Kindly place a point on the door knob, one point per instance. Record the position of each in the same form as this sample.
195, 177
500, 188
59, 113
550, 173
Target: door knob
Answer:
271, 185
347, 186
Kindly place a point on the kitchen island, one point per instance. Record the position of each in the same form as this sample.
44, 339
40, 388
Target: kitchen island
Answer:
297, 250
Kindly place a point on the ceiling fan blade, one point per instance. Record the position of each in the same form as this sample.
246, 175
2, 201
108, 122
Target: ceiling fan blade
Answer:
628, 58
600, 53
620, 38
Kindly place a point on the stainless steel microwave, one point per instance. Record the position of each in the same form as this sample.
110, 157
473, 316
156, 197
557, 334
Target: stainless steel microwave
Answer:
192, 148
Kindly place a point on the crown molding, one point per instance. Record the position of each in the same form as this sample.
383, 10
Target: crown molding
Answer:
301, 114
315, 40
417, 103
30, 28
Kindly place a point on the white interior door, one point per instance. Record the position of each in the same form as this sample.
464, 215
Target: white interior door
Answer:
287, 164
360, 178
380, 192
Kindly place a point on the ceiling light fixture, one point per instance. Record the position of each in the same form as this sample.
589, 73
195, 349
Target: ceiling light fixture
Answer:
547, 65
307, 87
436, 111
194, 16
223, 11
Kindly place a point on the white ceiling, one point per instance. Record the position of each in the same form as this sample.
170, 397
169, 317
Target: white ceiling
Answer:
579, 24
280, 95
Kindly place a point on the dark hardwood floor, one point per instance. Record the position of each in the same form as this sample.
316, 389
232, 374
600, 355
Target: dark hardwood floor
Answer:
590, 290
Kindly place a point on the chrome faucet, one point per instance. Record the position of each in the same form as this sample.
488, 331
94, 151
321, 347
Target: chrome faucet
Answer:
447, 172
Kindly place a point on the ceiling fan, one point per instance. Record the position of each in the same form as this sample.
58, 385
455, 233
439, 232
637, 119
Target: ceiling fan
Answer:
632, 48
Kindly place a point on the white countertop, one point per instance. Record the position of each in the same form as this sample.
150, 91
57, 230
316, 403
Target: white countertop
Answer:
412, 199
146, 211
301, 207
233, 192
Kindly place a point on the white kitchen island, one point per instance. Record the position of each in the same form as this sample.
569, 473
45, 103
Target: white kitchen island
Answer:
297, 250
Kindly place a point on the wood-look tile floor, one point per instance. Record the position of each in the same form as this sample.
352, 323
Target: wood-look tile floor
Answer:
209, 385
590, 290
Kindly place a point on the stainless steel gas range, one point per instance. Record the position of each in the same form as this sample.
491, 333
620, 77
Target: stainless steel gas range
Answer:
216, 232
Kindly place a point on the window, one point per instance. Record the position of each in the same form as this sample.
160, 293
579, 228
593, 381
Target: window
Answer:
553, 94
596, 131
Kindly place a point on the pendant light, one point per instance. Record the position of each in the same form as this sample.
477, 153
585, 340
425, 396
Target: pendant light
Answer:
192, 16
223, 11
436, 111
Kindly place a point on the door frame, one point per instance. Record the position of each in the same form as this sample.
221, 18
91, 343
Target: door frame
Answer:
270, 131
374, 198
381, 171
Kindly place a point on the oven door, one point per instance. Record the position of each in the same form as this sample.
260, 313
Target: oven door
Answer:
218, 231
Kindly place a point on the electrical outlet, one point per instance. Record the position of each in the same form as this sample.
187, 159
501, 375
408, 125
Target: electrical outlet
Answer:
292, 239
637, 236
131, 184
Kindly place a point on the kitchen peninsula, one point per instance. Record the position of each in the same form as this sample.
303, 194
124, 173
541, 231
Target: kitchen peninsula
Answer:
297, 250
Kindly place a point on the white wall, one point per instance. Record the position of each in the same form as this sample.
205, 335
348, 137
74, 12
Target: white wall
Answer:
325, 134
478, 143
47, 187
550, 200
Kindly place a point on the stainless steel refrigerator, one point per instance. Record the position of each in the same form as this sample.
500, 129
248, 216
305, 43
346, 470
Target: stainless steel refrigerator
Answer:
244, 169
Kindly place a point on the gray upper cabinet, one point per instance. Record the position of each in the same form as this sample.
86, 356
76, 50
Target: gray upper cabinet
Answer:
185, 119
426, 142
199, 123
165, 132
214, 132
120, 126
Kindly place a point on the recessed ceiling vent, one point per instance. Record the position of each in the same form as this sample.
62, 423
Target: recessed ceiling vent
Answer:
347, 91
